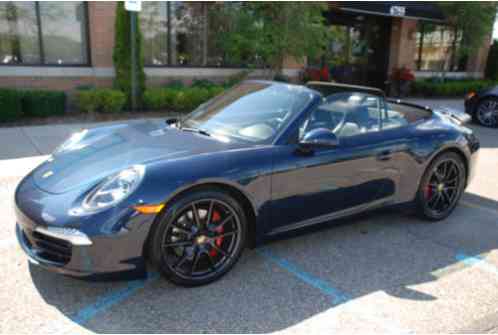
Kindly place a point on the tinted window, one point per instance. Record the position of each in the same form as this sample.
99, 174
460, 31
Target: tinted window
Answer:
346, 114
252, 111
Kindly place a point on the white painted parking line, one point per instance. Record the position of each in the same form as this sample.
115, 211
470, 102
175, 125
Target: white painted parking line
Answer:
19, 167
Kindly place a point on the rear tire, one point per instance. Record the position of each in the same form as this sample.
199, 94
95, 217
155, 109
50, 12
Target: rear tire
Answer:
198, 238
441, 187
486, 113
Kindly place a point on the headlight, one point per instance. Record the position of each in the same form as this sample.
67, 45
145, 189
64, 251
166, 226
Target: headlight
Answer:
112, 190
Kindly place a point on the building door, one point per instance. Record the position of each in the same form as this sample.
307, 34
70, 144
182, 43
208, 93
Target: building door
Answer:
358, 50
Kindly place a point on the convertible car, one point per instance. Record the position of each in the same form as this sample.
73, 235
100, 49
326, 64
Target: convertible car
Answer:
263, 158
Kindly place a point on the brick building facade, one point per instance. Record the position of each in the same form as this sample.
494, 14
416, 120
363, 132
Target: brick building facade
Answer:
370, 44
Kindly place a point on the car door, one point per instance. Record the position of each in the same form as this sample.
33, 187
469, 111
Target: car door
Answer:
312, 187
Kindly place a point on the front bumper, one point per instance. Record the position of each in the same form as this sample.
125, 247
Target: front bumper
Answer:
111, 255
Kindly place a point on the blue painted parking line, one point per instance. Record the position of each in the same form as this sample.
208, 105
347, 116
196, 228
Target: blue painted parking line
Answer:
105, 302
478, 262
336, 295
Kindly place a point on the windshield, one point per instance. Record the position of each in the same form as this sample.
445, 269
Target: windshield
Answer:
251, 111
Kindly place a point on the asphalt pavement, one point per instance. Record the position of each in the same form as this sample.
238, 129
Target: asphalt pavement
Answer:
386, 271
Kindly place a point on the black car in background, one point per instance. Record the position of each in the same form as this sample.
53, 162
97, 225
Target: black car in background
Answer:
483, 106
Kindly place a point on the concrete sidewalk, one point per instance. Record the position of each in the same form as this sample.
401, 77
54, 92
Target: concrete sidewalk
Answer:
22, 142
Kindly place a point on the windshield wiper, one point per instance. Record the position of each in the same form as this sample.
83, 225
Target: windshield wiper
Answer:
196, 130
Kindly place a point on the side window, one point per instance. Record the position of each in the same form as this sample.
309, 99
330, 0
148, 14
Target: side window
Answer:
346, 114
393, 119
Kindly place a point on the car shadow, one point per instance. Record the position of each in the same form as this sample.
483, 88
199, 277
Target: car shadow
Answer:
384, 251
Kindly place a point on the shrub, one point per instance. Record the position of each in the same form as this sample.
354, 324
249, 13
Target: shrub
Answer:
111, 101
202, 83
43, 103
179, 100
102, 100
236, 78
159, 98
87, 101
449, 87
175, 84
10, 105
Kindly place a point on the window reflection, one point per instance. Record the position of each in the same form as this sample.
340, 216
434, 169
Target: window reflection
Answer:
61, 25
437, 48
18, 33
63, 32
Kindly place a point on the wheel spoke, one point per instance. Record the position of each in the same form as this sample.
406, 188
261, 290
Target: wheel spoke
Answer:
180, 229
212, 263
180, 261
227, 234
446, 197
210, 213
178, 244
194, 263
195, 214
221, 251
228, 218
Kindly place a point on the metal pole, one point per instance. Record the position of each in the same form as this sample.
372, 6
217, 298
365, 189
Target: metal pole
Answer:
133, 18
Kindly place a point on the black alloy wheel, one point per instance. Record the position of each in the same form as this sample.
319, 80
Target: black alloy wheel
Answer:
441, 187
487, 112
199, 238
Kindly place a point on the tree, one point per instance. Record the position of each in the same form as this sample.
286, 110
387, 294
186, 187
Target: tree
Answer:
268, 32
472, 22
121, 55
492, 64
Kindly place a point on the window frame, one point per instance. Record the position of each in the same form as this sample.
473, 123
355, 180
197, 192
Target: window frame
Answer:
40, 42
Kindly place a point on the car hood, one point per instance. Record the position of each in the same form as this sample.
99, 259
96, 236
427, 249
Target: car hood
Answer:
93, 154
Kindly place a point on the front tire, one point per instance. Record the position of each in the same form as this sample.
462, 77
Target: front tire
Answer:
486, 113
441, 187
199, 238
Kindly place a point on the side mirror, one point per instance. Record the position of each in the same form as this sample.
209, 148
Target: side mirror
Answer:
320, 137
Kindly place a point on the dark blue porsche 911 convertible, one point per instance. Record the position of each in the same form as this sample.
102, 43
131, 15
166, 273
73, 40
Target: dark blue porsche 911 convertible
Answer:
261, 159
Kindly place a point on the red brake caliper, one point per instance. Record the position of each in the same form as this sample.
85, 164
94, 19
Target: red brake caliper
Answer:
218, 241
428, 191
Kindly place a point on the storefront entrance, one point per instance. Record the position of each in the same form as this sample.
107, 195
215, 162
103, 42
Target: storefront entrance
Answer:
358, 51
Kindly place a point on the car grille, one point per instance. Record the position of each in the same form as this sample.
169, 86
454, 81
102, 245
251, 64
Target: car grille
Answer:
49, 248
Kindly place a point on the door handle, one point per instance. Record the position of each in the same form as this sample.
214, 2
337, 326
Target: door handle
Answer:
384, 155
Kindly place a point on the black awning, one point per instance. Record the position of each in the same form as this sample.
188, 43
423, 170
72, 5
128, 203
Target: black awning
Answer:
409, 9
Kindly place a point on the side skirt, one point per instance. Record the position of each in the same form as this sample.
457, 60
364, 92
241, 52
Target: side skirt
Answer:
332, 216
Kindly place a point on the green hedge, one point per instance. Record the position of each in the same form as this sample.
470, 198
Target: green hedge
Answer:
449, 88
43, 103
179, 99
10, 105
101, 100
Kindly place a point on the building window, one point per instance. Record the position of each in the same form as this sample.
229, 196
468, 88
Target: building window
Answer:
174, 33
437, 48
43, 33
177, 33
